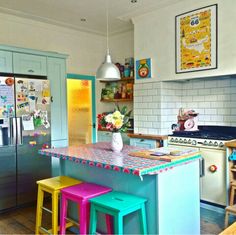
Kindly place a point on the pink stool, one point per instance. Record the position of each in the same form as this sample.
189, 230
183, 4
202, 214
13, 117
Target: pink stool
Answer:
81, 193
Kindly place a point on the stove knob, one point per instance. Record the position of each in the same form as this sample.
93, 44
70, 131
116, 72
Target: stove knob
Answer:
194, 142
172, 140
180, 140
210, 143
215, 144
185, 141
176, 140
205, 142
221, 144
189, 141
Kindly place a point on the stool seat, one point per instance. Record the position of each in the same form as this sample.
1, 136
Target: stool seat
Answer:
118, 201
118, 205
51, 186
231, 209
58, 182
80, 193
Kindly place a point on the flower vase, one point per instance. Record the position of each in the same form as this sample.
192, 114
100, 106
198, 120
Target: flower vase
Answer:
116, 142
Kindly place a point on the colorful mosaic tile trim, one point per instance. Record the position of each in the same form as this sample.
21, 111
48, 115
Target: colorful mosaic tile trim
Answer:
100, 155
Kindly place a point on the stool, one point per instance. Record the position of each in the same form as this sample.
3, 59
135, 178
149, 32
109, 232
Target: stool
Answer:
231, 209
80, 194
52, 186
118, 205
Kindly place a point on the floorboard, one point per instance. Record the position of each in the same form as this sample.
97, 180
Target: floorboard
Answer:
22, 221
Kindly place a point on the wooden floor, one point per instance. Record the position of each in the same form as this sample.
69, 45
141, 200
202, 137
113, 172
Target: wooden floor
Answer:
22, 221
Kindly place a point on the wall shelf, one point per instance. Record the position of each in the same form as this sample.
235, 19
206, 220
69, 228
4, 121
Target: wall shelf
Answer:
125, 79
116, 100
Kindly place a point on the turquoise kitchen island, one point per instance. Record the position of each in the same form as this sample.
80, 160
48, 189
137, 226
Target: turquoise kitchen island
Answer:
171, 188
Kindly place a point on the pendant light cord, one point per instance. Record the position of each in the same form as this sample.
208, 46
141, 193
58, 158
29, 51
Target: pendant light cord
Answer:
107, 26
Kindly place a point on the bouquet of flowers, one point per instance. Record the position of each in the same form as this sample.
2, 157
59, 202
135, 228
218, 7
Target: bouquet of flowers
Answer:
118, 121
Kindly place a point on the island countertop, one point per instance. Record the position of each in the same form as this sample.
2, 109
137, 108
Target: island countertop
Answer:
100, 155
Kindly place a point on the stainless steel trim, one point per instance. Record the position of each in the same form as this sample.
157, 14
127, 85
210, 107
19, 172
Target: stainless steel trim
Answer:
19, 131
12, 125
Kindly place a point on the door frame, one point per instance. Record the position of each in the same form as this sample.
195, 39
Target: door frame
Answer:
93, 94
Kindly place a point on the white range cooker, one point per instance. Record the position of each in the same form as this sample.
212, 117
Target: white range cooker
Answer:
209, 140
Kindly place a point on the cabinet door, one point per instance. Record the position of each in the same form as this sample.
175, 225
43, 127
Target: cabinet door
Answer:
6, 62
57, 77
104, 136
143, 143
29, 64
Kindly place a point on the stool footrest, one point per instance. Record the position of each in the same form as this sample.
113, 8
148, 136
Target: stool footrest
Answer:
72, 221
46, 209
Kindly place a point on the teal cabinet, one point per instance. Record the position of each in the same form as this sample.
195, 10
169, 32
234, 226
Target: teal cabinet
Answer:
6, 62
146, 143
29, 64
57, 76
105, 136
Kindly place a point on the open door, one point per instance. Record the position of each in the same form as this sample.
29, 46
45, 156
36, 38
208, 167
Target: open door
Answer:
81, 109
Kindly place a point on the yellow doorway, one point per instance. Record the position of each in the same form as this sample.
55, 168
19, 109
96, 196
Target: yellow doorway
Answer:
79, 103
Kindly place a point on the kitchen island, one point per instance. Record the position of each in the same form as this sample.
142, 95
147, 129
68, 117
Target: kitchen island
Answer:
171, 188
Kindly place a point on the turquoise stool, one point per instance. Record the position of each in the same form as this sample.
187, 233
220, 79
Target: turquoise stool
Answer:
118, 205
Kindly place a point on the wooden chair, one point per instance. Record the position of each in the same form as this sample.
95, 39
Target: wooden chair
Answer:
231, 209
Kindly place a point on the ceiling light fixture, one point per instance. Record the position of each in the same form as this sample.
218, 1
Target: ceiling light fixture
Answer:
107, 70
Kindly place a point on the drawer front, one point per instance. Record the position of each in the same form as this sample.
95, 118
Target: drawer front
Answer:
146, 143
29, 64
6, 62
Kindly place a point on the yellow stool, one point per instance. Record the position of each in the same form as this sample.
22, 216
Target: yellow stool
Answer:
52, 186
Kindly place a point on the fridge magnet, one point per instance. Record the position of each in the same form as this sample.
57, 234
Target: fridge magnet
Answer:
45, 89
196, 40
143, 68
43, 133
23, 105
7, 95
27, 122
9, 81
21, 86
32, 143
21, 97
45, 146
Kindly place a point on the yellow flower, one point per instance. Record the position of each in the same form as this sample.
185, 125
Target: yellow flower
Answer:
118, 123
116, 114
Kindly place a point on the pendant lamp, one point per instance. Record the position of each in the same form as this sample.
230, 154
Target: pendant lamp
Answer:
107, 70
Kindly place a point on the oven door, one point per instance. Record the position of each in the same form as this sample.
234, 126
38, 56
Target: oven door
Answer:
213, 183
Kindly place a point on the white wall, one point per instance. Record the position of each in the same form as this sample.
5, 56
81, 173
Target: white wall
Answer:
86, 51
154, 37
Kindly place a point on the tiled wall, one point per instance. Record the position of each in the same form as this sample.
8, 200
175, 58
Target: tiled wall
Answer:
156, 104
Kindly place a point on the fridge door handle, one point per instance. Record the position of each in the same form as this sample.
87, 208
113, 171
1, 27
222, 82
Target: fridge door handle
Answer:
19, 130
12, 122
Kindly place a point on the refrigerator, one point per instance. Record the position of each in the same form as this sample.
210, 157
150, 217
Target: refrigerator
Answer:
24, 129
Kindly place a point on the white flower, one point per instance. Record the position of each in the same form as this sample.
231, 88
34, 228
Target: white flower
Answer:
109, 118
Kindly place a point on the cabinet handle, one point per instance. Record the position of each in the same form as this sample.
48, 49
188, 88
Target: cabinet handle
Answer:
31, 71
141, 140
51, 99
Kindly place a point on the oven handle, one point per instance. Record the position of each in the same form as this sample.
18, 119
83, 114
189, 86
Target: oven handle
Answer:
202, 166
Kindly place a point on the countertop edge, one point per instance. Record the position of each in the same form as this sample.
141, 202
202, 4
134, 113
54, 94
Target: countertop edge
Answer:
147, 136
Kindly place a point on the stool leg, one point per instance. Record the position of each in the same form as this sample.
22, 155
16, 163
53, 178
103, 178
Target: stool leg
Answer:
93, 220
63, 212
39, 209
109, 224
142, 213
83, 218
118, 224
232, 196
226, 219
55, 213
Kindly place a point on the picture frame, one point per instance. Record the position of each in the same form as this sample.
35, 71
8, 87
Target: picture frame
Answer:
196, 40
143, 68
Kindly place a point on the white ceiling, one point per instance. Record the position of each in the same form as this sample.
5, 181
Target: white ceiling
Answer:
69, 13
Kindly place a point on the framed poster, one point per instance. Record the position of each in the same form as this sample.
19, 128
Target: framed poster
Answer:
143, 68
196, 40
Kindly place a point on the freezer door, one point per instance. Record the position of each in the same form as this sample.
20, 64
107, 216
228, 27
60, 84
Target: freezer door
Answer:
7, 177
33, 133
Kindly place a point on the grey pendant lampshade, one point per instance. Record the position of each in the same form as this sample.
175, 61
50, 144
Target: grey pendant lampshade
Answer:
107, 70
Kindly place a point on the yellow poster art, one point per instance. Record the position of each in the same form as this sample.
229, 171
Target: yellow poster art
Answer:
196, 40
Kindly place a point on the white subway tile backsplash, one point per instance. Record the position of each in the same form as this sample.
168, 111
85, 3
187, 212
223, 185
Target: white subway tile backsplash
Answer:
156, 104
